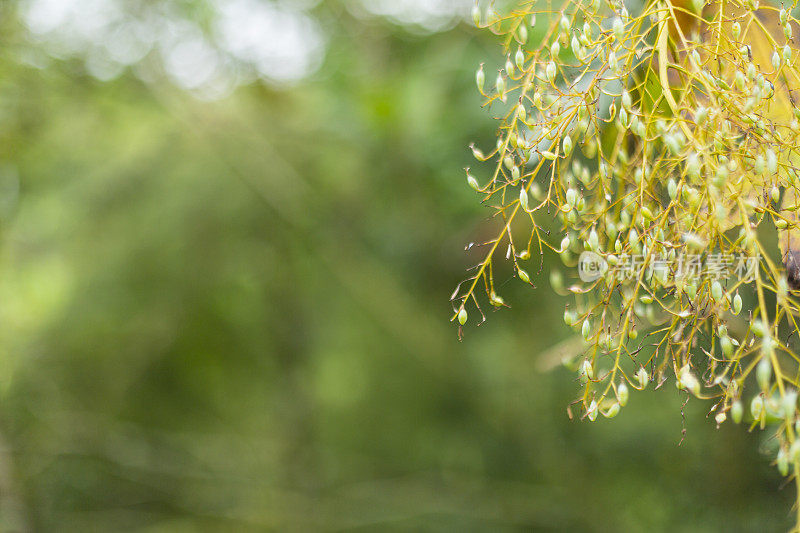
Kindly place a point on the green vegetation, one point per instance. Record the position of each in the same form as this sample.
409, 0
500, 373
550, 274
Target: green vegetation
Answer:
230, 314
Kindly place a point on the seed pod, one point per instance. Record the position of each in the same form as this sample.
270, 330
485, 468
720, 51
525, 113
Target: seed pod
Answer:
564, 244
462, 316
690, 382
612, 411
533, 20
693, 165
751, 72
783, 15
550, 71
491, 16
476, 14
672, 189
764, 373
737, 411
727, 346
739, 80
521, 112
569, 317
626, 100
550, 156
594, 240
772, 161
555, 49
586, 368
480, 78
522, 34
556, 279
509, 66
693, 241
622, 394
519, 58
500, 85
633, 238
642, 378
624, 119
576, 47
744, 51
736, 31
716, 291
564, 22
586, 329
523, 275
472, 181
787, 31
567, 145
776, 60
764, 93
496, 300
787, 53
737, 304
758, 328
789, 404
759, 165
757, 407
619, 28
611, 229
523, 198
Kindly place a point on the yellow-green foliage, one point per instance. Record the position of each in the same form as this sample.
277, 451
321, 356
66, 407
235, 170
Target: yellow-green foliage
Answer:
666, 134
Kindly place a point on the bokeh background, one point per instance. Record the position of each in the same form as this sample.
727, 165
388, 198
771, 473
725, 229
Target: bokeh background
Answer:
229, 230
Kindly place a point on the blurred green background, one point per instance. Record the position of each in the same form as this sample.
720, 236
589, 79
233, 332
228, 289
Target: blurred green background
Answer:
230, 229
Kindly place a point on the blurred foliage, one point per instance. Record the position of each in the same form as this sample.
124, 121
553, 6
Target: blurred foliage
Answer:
232, 316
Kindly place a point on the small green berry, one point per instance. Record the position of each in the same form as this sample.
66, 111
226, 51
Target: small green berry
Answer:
757, 407
642, 377
737, 304
622, 394
737, 411
613, 410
